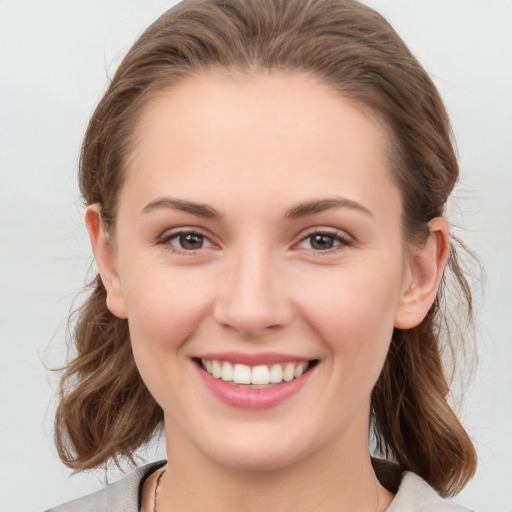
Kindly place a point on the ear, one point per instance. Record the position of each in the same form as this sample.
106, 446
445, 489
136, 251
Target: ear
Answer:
425, 270
105, 258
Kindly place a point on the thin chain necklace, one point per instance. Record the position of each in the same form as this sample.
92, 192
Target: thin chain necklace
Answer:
159, 479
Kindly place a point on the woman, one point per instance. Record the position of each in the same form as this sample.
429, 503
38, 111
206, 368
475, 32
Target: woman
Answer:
266, 182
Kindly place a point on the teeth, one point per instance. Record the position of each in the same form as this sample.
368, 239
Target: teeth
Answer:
258, 375
227, 372
289, 372
276, 374
241, 374
216, 369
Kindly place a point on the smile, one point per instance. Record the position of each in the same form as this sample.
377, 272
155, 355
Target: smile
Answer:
254, 386
254, 375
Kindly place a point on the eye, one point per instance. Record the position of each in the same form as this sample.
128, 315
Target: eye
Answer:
187, 241
323, 241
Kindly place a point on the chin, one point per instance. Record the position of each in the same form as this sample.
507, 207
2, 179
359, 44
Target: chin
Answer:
257, 452
253, 459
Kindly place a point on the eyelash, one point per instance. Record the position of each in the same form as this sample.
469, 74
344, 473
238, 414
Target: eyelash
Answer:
166, 239
341, 241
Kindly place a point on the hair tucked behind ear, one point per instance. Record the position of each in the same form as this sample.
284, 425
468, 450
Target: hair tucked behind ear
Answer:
419, 429
105, 409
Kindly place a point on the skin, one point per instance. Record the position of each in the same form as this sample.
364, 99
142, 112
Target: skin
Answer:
254, 148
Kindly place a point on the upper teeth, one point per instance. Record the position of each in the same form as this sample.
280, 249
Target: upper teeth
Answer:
262, 374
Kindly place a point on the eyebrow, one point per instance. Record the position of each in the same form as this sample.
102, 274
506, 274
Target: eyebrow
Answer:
299, 211
198, 209
320, 205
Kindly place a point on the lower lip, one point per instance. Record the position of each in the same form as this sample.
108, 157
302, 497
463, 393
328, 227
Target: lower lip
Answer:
253, 399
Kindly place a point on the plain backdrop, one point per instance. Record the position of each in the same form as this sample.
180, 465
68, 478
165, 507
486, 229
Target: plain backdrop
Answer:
55, 60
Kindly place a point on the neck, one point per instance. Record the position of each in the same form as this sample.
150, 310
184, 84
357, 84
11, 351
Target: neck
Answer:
337, 478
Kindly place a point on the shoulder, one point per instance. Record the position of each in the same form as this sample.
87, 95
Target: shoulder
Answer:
120, 496
415, 494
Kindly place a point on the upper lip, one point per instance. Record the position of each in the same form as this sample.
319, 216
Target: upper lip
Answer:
263, 358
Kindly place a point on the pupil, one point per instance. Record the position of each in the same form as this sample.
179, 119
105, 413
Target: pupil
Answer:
191, 241
322, 242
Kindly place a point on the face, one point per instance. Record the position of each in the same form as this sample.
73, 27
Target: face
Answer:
260, 261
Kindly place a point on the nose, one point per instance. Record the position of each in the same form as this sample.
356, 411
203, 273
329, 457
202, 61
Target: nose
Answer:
251, 297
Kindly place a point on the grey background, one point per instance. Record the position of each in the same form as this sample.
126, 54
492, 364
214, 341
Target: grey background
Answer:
54, 62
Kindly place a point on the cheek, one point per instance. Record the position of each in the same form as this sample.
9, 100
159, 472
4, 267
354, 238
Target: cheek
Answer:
164, 303
354, 311
164, 311
158, 315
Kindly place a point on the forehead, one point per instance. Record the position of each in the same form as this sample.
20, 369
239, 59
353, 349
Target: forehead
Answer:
257, 99
284, 134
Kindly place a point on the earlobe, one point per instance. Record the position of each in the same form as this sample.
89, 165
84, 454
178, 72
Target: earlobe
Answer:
105, 259
426, 267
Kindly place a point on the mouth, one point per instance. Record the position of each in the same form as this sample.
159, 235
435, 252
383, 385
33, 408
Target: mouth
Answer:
259, 376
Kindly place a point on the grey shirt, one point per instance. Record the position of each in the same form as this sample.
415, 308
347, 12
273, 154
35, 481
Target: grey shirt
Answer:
414, 495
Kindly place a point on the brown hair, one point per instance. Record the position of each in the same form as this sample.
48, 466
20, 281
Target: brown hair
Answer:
105, 410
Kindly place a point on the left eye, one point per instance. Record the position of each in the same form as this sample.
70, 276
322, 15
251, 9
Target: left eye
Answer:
322, 241
188, 241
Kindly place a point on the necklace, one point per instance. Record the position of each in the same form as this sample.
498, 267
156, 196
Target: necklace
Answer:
158, 480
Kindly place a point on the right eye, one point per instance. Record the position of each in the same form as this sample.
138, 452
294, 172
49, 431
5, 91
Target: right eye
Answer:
186, 241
